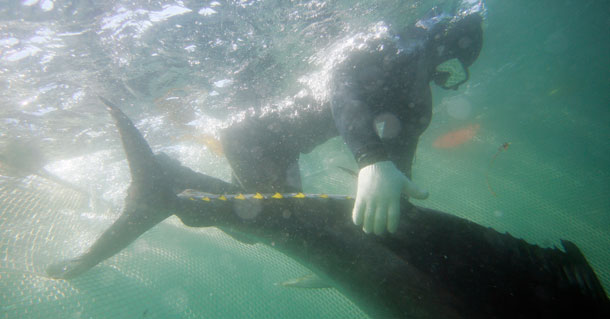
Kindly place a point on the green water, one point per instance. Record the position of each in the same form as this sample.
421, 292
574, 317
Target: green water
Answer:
541, 83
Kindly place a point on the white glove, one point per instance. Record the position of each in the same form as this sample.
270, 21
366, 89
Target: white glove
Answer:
377, 205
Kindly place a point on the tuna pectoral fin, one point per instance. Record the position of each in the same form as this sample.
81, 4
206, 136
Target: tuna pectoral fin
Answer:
348, 171
310, 281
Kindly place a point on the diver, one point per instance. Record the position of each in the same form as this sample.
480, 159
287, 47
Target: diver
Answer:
379, 101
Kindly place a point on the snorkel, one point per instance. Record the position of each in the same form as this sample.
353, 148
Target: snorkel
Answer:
451, 74
453, 43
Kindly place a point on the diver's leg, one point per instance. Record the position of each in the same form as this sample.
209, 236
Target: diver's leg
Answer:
183, 178
269, 172
292, 180
293, 177
262, 161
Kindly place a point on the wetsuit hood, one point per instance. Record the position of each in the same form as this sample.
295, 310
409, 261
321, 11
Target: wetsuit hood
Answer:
459, 37
451, 38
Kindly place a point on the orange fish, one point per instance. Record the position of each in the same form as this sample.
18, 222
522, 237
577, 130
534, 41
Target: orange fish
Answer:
457, 137
208, 140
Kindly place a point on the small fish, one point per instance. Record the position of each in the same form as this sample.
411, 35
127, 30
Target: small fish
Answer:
456, 138
502, 148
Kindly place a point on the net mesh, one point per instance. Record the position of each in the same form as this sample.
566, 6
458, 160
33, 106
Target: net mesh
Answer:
173, 271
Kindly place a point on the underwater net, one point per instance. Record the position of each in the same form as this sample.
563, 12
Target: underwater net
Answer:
177, 271
172, 271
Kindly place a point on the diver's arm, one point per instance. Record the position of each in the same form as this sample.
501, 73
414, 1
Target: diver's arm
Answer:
380, 183
401, 148
355, 121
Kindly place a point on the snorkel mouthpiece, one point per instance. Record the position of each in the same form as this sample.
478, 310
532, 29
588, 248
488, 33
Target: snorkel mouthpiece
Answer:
458, 74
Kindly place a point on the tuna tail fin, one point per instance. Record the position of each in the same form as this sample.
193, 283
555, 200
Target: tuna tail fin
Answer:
150, 187
142, 163
149, 201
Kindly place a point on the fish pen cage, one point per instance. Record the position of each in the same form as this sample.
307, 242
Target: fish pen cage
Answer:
522, 146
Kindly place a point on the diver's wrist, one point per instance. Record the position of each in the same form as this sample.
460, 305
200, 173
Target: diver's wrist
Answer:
371, 154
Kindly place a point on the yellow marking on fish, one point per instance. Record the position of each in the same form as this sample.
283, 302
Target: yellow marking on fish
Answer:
259, 196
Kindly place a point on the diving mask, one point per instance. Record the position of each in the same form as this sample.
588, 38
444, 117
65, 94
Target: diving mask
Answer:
457, 74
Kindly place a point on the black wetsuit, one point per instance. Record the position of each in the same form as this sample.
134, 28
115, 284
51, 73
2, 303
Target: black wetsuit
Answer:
383, 81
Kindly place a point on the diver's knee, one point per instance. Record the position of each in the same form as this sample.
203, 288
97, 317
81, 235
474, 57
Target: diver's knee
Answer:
293, 177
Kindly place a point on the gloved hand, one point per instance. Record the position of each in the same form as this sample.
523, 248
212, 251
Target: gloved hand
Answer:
377, 205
